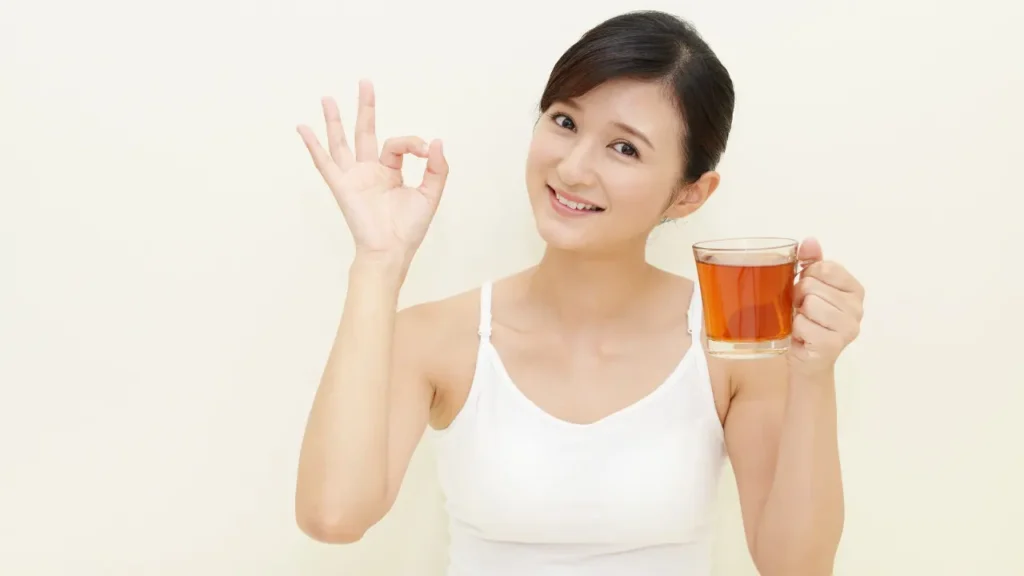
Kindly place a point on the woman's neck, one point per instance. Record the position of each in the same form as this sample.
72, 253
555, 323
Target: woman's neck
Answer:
583, 290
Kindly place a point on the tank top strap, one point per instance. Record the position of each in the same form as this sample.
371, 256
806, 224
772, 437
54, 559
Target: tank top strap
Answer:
695, 314
485, 312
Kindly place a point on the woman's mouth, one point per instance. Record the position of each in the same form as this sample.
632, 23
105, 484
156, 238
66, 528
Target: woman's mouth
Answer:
572, 205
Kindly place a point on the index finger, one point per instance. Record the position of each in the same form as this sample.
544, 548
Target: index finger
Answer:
366, 123
436, 172
395, 148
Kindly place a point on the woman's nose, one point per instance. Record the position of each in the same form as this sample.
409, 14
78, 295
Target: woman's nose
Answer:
575, 169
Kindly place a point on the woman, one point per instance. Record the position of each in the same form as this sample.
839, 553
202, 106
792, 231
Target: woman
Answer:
581, 425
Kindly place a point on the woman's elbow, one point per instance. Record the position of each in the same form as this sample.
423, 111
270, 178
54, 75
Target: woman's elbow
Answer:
327, 529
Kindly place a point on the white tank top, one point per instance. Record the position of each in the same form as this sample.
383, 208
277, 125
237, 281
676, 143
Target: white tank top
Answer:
531, 494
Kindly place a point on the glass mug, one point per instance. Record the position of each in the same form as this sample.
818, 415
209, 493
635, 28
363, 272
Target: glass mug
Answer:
746, 285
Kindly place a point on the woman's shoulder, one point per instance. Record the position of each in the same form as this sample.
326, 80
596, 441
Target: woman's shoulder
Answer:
435, 316
675, 291
444, 321
679, 280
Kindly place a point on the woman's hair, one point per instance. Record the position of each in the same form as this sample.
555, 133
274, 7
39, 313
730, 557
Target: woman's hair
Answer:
655, 46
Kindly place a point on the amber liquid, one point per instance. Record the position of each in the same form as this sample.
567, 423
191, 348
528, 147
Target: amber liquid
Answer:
747, 303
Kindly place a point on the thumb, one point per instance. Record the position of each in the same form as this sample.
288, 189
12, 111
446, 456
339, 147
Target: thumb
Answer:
436, 172
810, 251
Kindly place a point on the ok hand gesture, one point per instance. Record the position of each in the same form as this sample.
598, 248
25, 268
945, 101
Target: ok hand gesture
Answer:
386, 216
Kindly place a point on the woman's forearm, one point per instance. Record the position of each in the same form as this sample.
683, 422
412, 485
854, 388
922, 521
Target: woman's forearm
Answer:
342, 478
802, 520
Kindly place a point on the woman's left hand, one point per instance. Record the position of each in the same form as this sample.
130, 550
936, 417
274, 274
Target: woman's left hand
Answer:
829, 305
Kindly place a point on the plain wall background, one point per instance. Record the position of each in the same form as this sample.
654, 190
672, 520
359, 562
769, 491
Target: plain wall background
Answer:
173, 269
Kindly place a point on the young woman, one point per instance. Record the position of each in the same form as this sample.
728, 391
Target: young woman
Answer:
581, 426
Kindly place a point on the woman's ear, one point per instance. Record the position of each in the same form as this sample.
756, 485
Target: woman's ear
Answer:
692, 196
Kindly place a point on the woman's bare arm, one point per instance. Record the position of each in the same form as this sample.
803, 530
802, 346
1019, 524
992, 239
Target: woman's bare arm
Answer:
374, 400
369, 413
781, 437
781, 427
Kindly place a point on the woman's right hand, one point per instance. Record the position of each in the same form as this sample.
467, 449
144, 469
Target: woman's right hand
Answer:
386, 217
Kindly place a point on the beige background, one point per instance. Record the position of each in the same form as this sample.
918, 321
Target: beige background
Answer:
173, 269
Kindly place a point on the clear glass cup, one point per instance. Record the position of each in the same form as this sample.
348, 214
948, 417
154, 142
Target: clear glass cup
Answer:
746, 285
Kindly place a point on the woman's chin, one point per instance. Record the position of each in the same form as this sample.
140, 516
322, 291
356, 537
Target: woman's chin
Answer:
561, 237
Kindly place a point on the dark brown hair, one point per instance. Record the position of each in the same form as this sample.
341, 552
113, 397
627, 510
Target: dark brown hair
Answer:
655, 46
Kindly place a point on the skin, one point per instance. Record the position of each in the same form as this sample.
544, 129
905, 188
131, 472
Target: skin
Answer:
589, 330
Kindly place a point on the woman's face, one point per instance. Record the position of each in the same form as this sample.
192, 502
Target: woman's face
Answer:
605, 168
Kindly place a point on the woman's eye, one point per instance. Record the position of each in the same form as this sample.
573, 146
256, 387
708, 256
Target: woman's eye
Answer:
625, 148
564, 121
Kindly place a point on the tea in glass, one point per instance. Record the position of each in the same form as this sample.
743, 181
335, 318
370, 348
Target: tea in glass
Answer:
746, 286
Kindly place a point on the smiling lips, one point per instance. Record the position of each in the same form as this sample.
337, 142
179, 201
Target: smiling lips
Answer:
572, 204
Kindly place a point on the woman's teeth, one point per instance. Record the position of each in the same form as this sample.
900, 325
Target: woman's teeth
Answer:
575, 205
